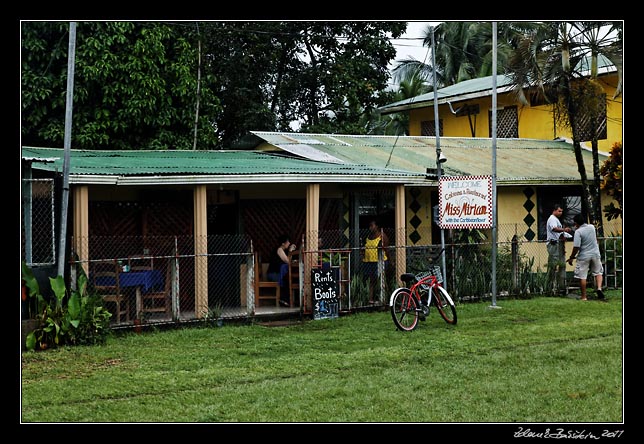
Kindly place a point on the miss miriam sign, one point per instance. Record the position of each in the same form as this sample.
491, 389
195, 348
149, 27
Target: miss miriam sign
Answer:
465, 202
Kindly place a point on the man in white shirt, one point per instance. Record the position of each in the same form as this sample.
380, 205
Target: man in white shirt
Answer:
586, 249
556, 235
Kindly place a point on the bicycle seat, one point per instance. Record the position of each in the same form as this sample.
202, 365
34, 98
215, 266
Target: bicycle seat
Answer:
407, 277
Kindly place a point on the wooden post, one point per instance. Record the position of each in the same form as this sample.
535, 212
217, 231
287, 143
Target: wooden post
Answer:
312, 229
401, 236
81, 225
201, 249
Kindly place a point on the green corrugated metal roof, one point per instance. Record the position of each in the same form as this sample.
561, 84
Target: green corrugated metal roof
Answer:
518, 160
183, 163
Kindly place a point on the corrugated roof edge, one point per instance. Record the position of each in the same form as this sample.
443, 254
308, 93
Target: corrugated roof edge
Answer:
297, 166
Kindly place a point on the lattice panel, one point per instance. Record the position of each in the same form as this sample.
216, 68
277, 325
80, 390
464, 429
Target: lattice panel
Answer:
168, 219
428, 127
114, 218
507, 123
585, 127
330, 214
265, 220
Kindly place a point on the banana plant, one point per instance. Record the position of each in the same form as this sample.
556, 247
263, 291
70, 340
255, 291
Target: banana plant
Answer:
69, 317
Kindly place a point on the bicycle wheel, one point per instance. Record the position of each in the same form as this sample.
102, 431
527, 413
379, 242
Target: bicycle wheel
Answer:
404, 309
444, 304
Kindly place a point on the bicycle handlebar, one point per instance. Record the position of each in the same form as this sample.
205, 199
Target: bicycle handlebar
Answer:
438, 254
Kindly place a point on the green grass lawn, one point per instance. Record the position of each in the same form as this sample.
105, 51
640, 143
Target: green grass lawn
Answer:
536, 360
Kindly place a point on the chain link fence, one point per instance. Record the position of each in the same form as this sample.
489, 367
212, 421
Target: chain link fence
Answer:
174, 279
170, 279
38, 222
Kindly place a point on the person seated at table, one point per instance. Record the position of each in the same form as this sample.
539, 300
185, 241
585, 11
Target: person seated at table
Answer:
278, 266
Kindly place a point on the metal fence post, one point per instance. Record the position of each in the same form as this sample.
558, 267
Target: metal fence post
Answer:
250, 284
515, 263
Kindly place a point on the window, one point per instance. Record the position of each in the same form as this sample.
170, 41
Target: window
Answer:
428, 127
507, 122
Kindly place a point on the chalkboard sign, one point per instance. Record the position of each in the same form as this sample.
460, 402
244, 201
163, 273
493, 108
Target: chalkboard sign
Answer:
325, 284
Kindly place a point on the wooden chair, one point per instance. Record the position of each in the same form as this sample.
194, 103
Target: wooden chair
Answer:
106, 284
265, 290
157, 301
293, 275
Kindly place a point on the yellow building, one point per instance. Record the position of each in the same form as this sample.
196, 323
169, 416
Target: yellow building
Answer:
465, 110
532, 174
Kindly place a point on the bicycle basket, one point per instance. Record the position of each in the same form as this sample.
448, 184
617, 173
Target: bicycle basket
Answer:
436, 271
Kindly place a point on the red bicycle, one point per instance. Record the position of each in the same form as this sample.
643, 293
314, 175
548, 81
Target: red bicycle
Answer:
411, 304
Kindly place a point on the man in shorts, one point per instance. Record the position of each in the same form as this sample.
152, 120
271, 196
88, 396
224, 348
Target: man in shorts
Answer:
586, 250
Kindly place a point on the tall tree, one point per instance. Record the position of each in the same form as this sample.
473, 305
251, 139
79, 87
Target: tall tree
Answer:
553, 59
135, 86
339, 73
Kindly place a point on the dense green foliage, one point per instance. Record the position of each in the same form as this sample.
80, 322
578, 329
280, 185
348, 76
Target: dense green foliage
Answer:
134, 86
534, 360
611, 171
68, 316
464, 51
140, 85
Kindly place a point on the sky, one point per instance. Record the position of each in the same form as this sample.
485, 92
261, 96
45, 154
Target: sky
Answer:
411, 44
413, 48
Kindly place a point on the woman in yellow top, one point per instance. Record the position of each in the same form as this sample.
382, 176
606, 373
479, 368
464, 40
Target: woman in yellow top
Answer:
375, 240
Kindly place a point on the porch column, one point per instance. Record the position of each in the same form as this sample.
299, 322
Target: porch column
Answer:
312, 228
401, 236
201, 249
80, 196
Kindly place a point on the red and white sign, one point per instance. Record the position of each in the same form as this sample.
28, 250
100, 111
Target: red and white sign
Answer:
465, 202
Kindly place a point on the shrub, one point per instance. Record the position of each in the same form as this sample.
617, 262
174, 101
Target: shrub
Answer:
70, 317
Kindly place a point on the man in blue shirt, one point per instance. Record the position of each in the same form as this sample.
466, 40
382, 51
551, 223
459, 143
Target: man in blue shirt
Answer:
586, 250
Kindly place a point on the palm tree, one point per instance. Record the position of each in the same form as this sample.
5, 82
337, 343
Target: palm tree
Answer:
464, 51
411, 83
550, 59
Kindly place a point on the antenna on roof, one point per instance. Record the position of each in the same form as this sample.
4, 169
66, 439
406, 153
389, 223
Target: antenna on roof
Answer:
392, 150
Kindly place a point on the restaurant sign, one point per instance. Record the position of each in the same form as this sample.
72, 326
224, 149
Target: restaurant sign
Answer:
465, 202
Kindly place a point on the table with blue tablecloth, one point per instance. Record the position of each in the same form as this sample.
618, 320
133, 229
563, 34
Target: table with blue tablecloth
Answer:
141, 280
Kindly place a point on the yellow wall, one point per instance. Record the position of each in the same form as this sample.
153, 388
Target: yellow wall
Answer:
418, 197
511, 206
513, 219
534, 122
